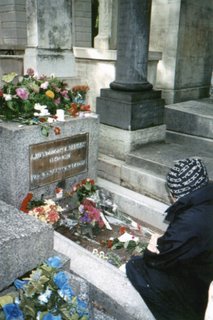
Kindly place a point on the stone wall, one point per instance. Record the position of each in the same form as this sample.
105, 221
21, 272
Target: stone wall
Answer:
12, 24
183, 31
82, 23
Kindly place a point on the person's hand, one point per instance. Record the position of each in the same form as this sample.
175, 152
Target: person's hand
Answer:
153, 246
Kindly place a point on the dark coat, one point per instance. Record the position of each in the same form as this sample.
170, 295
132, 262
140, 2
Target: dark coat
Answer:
175, 282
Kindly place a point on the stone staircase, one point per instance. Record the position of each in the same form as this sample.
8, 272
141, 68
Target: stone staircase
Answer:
189, 134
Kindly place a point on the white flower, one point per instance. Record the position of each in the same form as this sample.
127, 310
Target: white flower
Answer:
44, 297
81, 208
37, 106
42, 108
7, 97
49, 202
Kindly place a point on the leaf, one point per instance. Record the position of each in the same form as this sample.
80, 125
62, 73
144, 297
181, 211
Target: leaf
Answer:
9, 77
45, 131
5, 300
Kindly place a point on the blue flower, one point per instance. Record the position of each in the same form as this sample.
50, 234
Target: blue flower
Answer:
19, 284
12, 312
82, 308
66, 292
60, 279
54, 262
50, 316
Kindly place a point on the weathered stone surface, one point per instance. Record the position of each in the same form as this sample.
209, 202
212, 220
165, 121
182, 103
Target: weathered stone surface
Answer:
15, 142
130, 111
24, 243
117, 143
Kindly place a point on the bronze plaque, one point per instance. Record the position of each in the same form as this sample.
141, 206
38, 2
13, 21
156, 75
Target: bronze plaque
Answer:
57, 160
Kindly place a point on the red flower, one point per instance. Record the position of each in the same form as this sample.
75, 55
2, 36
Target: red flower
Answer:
25, 202
1, 93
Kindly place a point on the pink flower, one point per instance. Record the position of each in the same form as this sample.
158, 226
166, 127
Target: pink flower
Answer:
64, 93
22, 93
44, 85
57, 101
30, 72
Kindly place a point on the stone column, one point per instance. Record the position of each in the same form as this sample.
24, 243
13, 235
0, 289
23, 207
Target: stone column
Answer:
106, 26
49, 37
131, 104
132, 45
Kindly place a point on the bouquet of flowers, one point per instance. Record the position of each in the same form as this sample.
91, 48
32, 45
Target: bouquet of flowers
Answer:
49, 212
45, 295
90, 215
44, 210
84, 189
31, 99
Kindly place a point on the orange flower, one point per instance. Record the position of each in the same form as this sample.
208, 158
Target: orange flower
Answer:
122, 230
85, 107
57, 130
83, 88
50, 94
109, 244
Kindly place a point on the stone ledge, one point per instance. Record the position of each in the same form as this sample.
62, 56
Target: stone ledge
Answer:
121, 300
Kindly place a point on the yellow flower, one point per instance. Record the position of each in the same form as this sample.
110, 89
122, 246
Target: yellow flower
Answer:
50, 94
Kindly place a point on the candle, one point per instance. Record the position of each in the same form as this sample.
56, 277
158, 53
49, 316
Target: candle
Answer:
60, 114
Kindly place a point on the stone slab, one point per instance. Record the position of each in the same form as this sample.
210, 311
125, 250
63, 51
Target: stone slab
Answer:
15, 142
25, 242
130, 111
191, 117
117, 142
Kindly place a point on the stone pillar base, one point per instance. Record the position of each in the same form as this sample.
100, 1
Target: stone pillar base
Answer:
130, 110
118, 143
61, 63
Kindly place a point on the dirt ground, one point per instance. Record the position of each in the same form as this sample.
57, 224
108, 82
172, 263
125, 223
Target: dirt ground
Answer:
102, 240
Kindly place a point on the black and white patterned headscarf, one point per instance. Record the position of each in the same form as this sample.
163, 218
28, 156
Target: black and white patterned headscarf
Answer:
186, 176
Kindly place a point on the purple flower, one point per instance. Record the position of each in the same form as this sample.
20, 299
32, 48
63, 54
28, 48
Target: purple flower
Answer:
54, 262
12, 312
60, 279
50, 316
22, 93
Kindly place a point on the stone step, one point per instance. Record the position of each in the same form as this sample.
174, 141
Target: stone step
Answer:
22, 239
191, 117
145, 169
134, 178
178, 137
159, 157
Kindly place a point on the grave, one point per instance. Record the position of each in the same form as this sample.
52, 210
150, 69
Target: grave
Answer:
32, 162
